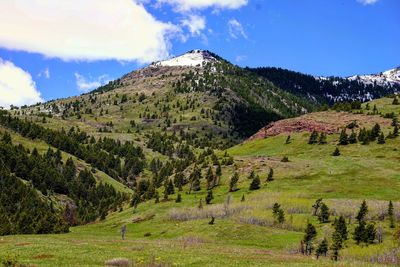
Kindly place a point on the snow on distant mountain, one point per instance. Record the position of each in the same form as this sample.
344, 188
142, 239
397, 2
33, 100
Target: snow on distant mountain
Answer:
387, 78
194, 58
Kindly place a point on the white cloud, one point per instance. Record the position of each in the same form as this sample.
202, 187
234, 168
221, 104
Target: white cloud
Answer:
44, 73
195, 24
186, 5
84, 30
236, 29
367, 2
240, 58
87, 84
16, 86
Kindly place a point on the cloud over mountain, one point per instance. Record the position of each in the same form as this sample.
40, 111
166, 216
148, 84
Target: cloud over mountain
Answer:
16, 86
84, 30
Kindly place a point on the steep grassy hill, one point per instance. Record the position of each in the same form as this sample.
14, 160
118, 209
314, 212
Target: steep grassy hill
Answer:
245, 232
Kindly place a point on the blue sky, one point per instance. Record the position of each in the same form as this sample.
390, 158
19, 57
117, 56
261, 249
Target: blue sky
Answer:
50, 51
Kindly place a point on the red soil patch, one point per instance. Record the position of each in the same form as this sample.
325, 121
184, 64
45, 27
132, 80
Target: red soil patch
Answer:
327, 122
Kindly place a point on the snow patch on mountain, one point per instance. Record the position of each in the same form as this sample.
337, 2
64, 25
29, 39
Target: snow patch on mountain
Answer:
387, 78
194, 58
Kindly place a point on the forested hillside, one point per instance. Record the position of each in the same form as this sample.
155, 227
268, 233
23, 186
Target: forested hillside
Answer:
325, 90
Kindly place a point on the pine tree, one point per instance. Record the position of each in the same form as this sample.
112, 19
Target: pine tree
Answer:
375, 131
313, 138
395, 101
381, 139
323, 215
362, 212
336, 152
322, 139
391, 214
370, 234
243, 198
322, 248
310, 234
359, 232
288, 140
316, 206
270, 176
252, 175
210, 178
178, 198
233, 182
195, 177
343, 139
200, 204
396, 131
281, 216
353, 138
341, 227
170, 188
337, 245
209, 197
255, 183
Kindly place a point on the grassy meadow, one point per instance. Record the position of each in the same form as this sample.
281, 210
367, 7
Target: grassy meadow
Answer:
244, 232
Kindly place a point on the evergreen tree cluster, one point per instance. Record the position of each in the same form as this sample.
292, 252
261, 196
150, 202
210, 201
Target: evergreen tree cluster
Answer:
48, 175
119, 160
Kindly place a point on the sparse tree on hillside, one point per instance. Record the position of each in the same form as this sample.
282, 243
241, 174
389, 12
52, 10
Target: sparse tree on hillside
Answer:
270, 176
178, 198
233, 182
391, 214
322, 248
381, 139
313, 138
343, 139
255, 183
336, 152
209, 197
323, 215
322, 139
316, 206
310, 234
353, 138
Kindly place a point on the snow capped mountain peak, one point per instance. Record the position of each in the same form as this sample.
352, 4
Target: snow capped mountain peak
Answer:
194, 58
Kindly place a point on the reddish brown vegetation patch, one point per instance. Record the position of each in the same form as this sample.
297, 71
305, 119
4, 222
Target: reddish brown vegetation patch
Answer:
43, 256
22, 244
327, 122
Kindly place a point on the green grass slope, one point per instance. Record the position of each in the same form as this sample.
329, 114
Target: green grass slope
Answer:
245, 233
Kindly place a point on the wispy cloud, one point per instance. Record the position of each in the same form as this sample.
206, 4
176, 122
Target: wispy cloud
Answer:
187, 5
44, 73
240, 58
195, 24
16, 86
367, 2
236, 29
85, 84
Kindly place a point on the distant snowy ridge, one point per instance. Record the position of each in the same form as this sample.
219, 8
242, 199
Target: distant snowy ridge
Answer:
194, 58
387, 78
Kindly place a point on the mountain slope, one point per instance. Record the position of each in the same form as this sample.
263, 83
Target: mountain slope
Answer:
197, 93
386, 78
328, 90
